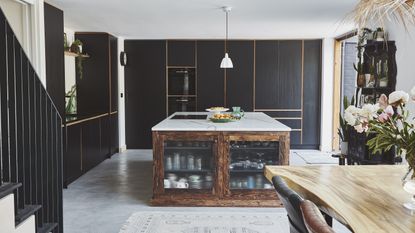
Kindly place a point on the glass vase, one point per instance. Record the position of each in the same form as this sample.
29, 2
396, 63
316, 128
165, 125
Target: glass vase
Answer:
409, 187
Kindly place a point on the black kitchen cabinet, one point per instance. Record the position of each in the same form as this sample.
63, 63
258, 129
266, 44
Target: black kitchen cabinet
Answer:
106, 137
289, 90
287, 87
91, 148
54, 54
114, 73
93, 87
114, 142
279, 77
266, 74
240, 79
73, 154
145, 90
181, 53
210, 77
312, 94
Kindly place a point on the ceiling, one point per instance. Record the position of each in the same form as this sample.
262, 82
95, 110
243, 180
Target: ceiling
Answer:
179, 19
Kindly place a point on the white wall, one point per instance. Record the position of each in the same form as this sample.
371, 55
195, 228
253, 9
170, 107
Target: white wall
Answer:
14, 12
327, 95
121, 101
405, 56
70, 70
26, 17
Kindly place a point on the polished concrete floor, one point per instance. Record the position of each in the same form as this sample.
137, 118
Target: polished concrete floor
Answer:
103, 199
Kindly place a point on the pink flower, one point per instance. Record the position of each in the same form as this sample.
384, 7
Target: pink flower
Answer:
384, 117
383, 101
360, 128
389, 110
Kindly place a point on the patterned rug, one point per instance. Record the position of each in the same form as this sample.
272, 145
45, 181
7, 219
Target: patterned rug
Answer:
219, 222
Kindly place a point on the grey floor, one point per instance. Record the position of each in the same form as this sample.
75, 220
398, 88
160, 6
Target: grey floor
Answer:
103, 199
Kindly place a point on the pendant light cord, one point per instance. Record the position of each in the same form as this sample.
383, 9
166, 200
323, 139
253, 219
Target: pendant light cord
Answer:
227, 30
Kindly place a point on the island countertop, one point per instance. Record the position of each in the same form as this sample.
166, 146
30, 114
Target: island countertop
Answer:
252, 121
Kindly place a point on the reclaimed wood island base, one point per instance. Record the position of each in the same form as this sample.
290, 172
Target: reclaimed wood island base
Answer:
200, 163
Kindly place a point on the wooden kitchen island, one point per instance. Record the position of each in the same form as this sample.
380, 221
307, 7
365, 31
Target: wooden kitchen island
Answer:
200, 163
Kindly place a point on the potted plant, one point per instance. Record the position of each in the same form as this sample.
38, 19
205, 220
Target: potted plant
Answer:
361, 80
76, 47
70, 108
379, 34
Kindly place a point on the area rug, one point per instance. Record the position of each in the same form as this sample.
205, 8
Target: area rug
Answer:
212, 222
316, 157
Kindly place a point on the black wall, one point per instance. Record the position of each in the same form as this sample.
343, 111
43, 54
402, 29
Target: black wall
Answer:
145, 90
55, 61
279, 77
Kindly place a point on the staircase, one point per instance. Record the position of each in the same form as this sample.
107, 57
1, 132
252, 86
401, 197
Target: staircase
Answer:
30, 145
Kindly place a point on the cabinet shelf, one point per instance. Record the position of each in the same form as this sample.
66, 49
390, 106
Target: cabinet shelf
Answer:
187, 148
254, 148
72, 54
188, 171
248, 171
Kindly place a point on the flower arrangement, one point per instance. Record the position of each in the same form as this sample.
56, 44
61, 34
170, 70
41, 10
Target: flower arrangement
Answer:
390, 123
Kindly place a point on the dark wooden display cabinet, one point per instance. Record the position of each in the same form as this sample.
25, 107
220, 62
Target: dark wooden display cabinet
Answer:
216, 168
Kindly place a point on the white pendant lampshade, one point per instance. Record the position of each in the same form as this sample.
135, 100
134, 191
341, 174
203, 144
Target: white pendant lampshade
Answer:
226, 62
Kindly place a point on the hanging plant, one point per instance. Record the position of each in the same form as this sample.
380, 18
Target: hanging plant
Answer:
76, 47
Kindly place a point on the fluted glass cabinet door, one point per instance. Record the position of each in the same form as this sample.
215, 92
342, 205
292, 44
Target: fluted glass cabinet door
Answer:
189, 165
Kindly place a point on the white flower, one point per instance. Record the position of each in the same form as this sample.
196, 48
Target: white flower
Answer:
369, 111
350, 118
398, 97
353, 110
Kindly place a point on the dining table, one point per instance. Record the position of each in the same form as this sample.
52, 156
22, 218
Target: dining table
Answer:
366, 199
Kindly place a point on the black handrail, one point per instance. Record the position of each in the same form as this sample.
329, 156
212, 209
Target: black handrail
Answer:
30, 133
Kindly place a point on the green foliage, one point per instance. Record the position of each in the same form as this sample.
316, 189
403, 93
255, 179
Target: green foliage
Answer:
71, 104
397, 132
343, 131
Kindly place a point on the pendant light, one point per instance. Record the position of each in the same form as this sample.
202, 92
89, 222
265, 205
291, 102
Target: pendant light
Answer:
226, 61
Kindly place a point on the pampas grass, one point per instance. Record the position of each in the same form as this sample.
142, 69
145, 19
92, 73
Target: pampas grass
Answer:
379, 11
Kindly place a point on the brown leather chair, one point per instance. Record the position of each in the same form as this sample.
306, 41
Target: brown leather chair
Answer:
313, 219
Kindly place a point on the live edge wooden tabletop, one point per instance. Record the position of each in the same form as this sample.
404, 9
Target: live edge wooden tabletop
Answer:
365, 198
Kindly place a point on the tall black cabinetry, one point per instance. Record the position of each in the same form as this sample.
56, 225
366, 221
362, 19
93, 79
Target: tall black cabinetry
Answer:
279, 77
145, 90
92, 135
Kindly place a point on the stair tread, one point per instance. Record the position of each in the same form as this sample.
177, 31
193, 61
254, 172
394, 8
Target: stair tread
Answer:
8, 188
47, 227
23, 214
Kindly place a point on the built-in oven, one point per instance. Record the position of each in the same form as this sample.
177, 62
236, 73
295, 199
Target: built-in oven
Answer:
181, 92
181, 81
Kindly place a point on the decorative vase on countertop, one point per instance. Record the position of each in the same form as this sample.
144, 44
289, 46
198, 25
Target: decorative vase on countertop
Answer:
237, 112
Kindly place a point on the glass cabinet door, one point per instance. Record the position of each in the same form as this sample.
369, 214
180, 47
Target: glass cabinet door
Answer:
189, 165
247, 160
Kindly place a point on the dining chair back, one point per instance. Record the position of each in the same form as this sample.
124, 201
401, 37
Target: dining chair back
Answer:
313, 219
291, 201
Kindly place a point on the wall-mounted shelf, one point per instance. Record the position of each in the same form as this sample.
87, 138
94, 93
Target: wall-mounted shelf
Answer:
72, 54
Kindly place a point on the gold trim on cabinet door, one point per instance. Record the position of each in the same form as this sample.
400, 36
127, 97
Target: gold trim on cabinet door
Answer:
302, 90
167, 78
254, 87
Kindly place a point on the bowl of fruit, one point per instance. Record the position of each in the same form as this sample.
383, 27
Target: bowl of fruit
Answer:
222, 118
